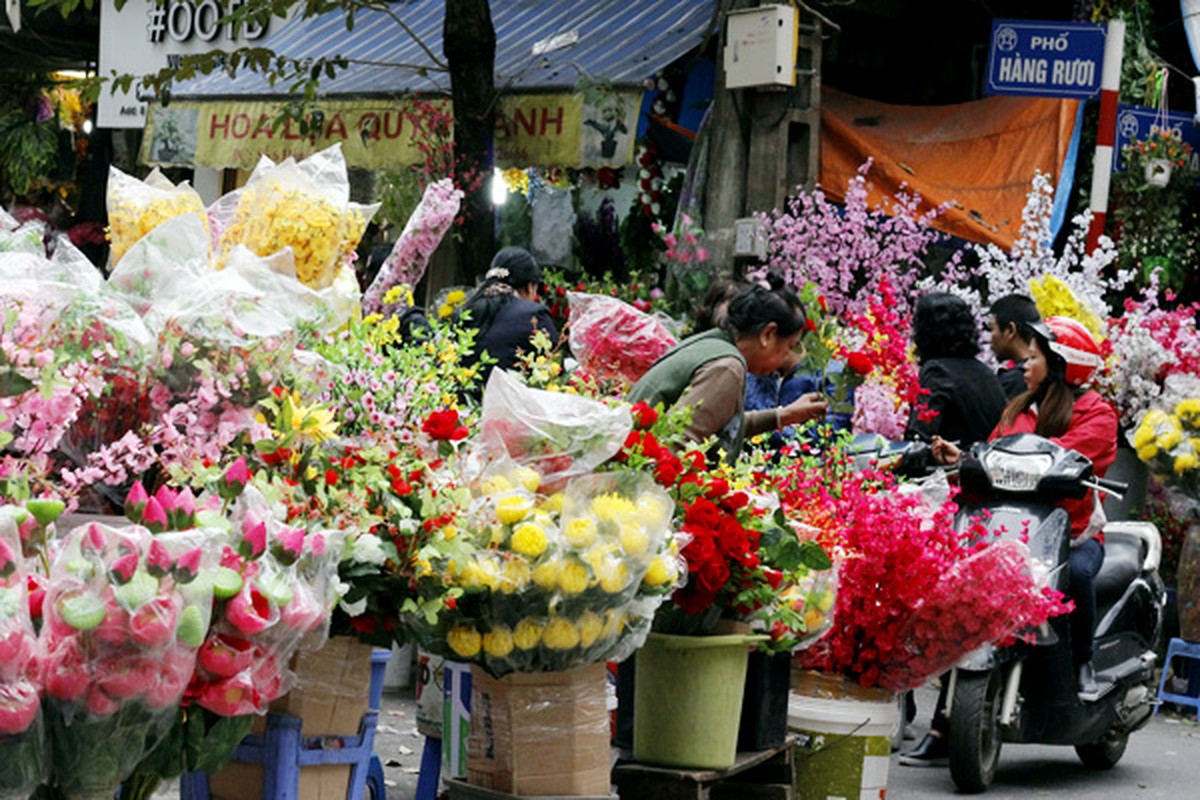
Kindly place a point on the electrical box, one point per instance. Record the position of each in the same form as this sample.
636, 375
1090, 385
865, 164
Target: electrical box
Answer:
760, 46
749, 238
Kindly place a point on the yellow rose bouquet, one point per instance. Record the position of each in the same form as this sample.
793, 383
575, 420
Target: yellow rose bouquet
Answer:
548, 583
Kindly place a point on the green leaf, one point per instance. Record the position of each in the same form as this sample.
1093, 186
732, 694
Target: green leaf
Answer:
814, 556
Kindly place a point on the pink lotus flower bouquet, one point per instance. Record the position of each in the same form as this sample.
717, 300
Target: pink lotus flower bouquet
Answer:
124, 614
276, 584
23, 757
613, 341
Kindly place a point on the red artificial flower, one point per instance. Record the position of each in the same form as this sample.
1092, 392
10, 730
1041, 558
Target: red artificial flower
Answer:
644, 416
331, 477
859, 362
443, 426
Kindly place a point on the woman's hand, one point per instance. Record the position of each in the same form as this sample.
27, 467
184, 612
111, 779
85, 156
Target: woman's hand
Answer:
944, 452
803, 409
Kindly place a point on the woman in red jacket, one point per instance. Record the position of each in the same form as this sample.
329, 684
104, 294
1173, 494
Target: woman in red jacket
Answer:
1063, 357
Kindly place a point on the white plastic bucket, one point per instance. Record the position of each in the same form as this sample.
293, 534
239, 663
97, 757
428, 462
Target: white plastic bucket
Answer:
844, 745
399, 673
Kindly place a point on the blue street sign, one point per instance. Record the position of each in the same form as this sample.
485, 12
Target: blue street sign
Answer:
1045, 59
1137, 122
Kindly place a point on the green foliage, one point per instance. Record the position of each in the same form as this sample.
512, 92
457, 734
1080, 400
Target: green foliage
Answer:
28, 150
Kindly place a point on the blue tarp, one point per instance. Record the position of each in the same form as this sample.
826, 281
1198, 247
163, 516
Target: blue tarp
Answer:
622, 41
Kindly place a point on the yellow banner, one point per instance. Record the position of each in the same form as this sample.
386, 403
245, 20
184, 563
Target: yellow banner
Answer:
562, 130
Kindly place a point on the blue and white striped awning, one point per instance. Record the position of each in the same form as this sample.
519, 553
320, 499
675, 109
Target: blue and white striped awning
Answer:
540, 44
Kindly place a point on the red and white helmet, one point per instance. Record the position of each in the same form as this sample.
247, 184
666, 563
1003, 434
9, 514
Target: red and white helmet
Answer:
1074, 344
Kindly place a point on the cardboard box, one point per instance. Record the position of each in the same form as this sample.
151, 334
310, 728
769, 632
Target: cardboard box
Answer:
331, 694
540, 734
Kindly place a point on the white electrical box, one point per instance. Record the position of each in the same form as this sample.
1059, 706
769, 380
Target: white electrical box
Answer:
749, 237
760, 46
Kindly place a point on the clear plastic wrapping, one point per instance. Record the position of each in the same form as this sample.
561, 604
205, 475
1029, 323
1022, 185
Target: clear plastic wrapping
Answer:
304, 206
124, 613
612, 340
23, 756
135, 208
986, 597
276, 589
552, 583
559, 435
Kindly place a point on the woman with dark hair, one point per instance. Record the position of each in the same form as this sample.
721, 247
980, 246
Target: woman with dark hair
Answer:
1063, 356
504, 308
707, 371
714, 305
959, 398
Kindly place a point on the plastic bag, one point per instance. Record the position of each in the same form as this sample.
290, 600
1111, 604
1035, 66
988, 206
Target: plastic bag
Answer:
305, 206
124, 613
613, 340
414, 247
986, 597
559, 435
23, 756
135, 208
27, 238
276, 589
549, 590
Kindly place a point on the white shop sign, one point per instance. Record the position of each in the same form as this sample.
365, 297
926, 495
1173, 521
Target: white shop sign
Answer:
145, 36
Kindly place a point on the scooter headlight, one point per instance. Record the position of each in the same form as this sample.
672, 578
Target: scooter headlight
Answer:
1010, 472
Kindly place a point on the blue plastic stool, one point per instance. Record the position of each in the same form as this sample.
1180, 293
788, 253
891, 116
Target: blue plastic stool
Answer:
1179, 648
283, 752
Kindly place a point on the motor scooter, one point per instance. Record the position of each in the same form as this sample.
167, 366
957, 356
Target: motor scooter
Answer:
1027, 692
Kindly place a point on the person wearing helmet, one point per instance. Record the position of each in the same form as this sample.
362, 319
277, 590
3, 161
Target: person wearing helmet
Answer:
1056, 405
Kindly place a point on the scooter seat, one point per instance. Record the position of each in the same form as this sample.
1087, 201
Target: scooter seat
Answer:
1122, 563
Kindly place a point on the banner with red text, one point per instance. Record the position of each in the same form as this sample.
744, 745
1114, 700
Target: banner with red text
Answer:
564, 130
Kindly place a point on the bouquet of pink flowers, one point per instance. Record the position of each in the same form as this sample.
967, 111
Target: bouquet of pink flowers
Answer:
274, 587
124, 613
410, 256
614, 341
23, 757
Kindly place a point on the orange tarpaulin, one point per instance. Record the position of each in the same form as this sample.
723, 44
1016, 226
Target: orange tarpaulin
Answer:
981, 155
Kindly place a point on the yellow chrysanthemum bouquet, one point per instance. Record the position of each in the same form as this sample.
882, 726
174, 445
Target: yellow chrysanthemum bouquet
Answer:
136, 207
1167, 438
305, 206
547, 583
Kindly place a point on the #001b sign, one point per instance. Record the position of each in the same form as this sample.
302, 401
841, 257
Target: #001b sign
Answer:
1045, 59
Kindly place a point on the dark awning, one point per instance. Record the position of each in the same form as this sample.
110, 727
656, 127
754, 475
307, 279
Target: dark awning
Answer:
540, 45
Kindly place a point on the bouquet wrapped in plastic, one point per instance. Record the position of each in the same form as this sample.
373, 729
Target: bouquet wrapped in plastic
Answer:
410, 255
613, 341
1167, 437
986, 597
559, 435
275, 587
124, 613
552, 583
23, 757
135, 207
305, 206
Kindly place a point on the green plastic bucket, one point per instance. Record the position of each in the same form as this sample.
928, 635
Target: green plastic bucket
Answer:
844, 743
688, 699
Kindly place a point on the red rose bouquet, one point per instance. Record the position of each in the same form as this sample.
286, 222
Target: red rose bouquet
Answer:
613, 341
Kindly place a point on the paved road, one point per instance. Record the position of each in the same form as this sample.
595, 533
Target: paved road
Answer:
1163, 761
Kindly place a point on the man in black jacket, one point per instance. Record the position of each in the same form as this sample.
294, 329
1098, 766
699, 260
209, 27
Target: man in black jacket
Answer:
1009, 319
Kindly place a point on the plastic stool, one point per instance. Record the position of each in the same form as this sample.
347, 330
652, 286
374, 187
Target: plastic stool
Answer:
1179, 648
283, 752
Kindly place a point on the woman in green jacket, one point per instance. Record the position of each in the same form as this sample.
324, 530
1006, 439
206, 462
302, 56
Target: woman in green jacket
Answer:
707, 372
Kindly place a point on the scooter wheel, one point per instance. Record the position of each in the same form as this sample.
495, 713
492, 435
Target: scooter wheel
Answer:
1105, 753
975, 736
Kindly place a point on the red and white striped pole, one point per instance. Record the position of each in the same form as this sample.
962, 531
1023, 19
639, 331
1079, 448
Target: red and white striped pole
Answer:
1106, 134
